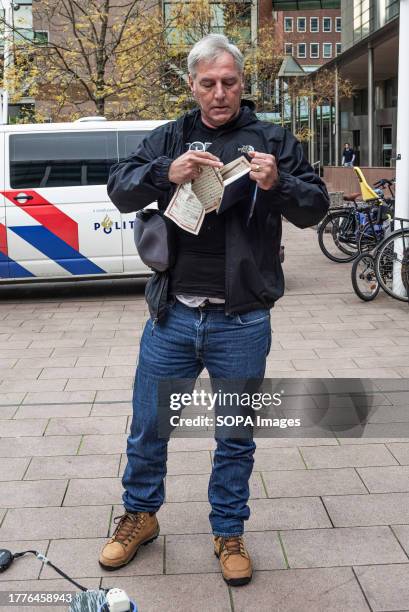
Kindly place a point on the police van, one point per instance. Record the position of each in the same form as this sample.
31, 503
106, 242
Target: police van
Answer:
56, 220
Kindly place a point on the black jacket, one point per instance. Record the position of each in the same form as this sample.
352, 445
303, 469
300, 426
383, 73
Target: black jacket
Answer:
254, 277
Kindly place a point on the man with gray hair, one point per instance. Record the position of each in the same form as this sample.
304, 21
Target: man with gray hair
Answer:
212, 308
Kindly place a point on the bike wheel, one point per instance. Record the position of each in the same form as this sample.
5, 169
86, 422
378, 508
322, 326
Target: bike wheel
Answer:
368, 239
337, 236
363, 277
388, 264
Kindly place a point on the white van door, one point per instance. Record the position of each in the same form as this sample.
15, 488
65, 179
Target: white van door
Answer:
4, 259
60, 220
127, 144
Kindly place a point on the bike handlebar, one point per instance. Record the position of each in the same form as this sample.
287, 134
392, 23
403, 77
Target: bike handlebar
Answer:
383, 182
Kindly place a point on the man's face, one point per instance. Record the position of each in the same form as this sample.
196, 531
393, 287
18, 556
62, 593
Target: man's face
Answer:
346, 145
217, 88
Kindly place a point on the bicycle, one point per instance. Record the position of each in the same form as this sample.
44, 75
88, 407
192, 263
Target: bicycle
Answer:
346, 232
386, 266
381, 216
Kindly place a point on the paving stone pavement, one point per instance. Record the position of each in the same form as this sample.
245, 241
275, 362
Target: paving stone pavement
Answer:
329, 529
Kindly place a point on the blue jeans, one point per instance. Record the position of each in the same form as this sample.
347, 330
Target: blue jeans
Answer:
186, 342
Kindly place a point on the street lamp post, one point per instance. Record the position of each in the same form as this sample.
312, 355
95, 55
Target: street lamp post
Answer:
7, 6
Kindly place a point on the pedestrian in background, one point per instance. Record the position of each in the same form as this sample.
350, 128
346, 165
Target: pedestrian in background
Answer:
348, 156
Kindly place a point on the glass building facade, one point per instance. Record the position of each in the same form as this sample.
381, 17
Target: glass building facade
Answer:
363, 17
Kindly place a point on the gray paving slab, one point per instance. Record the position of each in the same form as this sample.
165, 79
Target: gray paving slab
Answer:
320, 590
18, 373
48, 411
193, 487
294, 442
22, 494
304, 483
55, 523
73, 372
13, 468
400, 451
374, 509
55, 384
278, 459
189, 462
287, 513
60, 426
402, 533
190, 444
41, 446
118, 395
79, 557
8, 412
73, 466
385, 586
103, 444
347, 456
59, 397
10, 428
47, 362
93, 491
111, 409
98, 384
393, 479
184, 518
341, 546
164, 593
190, 554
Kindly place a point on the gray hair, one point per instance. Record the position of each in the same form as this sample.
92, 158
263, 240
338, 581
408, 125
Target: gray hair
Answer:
211, 47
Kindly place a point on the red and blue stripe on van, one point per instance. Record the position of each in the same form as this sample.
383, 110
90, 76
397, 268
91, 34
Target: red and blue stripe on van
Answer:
56, 237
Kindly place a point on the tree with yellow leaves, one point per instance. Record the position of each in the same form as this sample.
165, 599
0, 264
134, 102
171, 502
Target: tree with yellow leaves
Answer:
126, 59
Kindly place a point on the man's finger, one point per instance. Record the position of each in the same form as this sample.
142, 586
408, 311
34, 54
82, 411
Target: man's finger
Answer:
208, 162
256, 154
204, 155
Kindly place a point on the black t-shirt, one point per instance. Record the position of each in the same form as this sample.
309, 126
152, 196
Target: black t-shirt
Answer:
348, 154
199, 267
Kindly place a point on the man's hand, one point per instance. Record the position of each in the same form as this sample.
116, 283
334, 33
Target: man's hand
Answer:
189, 165
263, 169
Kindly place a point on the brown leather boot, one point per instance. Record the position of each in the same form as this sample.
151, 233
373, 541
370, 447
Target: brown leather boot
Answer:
133, 530
234, 560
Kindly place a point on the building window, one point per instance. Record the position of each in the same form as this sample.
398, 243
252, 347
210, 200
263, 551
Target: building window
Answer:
360, 102
326, 24
40, 37
314, 24
219, 16
339, 48
288, 48
338, 24
327, 50
288, 24
314, 50
301, 50
301, 24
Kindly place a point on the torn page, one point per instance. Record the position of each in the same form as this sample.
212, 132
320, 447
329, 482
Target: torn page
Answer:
186, 210
208, 188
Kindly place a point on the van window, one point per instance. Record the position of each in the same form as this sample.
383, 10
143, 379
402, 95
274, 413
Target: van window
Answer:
128, 142
62, 159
